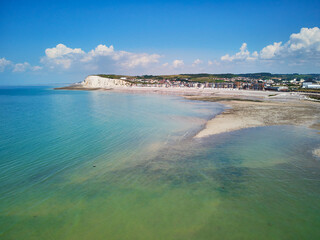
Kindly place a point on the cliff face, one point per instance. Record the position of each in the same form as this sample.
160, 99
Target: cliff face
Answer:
101, 82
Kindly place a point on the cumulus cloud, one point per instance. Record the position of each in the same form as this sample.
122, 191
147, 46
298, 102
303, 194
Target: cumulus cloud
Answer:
243, 55
100, 50
301, 50
61, 50
308, 40
62, 56
196, 62
16, 67
101, 56
131, 60
271, 51
4, 63
21, 67
300, 47
177, 63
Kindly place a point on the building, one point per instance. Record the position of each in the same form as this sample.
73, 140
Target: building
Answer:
311, 85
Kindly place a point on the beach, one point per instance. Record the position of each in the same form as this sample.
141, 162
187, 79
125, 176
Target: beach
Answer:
245, 108
247, 114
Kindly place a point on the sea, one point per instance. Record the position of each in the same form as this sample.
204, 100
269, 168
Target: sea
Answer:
110, 165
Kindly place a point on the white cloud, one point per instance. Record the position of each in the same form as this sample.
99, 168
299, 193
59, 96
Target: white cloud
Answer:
177, 63
21, 67
308, 40
100, 50
100, 57
61, 50
271, 51
214, 62
301, 47
255, 54
196, 62
62, 56
131, 60
243, 55
301, 52
16, 67
4, 63
36, 68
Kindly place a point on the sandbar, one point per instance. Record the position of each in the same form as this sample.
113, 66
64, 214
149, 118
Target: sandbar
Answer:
247, 113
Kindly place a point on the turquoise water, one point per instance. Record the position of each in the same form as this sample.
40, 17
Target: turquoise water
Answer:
106, 165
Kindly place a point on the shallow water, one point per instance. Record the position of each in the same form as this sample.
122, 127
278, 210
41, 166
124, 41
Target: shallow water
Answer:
104, 165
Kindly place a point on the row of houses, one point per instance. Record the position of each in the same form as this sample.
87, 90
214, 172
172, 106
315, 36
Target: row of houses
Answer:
239, 84
229, 85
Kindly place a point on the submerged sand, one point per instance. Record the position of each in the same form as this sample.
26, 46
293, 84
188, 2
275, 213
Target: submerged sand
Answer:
316, 152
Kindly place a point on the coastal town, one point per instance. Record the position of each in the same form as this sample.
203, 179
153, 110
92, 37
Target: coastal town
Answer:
258, 81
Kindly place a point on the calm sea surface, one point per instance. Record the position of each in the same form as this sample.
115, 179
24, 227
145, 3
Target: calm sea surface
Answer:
106, 165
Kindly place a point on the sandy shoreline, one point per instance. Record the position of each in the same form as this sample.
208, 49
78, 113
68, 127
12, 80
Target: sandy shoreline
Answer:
247, 114
246, 108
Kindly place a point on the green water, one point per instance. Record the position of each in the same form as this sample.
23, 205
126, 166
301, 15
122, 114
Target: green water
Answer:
121, 168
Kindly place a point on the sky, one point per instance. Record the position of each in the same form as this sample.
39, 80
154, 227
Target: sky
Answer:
44, 42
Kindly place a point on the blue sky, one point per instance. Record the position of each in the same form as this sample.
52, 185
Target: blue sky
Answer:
39, 38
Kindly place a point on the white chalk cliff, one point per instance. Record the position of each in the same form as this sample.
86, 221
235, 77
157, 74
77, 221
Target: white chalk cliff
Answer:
93, 81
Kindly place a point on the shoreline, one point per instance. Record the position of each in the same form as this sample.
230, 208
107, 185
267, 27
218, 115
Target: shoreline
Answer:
248, 114
76, 88
245, 108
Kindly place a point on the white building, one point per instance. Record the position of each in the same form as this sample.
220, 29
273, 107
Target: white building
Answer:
310, 84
